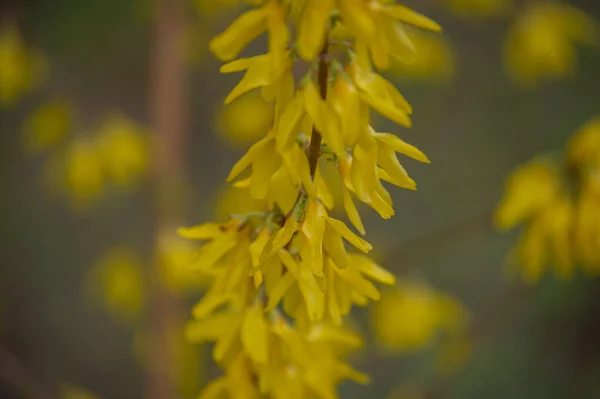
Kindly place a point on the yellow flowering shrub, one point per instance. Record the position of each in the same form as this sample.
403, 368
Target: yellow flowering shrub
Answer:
559, 205
283, 278
542, 42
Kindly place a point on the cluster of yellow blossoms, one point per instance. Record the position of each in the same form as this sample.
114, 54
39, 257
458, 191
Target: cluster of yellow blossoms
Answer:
560, 204
282, 279
116, 152
542, 41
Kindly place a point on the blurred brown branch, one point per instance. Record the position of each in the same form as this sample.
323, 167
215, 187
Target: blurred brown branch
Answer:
168, 115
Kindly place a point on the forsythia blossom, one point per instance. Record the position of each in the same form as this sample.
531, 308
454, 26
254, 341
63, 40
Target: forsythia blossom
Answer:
560, 207
542, 42
283, 277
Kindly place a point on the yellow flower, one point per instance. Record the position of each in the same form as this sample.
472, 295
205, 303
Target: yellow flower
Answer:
246, 119
47, 125
434, 61
584, 146
541, 45
123, 147
528, 190
411, 317
483, 8
21, 69
84, 177
117, 281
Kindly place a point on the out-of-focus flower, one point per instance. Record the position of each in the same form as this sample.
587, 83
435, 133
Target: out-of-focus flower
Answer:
117, 281
480, 8
175, 257
535, 194
83, 178
47, 125
433, 61
21, 69
527, 191
542, 43
124, 149
76, 392
246, 119
559, 205
411, 317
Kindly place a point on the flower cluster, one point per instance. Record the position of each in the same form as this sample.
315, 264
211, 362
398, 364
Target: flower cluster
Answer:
560, 205
283, 278
542, 42
85, 164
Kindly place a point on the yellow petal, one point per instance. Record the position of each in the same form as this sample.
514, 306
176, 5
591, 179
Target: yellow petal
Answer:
352, 212
343, 230
240, 64
249, 157
372, 269
313, 26
386, 157
313, 229
263, 169
406, 15
202, 232
334, 247
402, 146
358, 17
284, 235
323, 192
259, 74
228, 44
289, 123
254, 334
279, 291
208, 304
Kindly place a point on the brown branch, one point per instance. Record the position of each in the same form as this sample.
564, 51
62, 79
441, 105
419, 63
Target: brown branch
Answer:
167, 107
314, 150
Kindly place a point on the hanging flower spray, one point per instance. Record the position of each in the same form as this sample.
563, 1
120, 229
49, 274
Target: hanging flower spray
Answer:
283, 279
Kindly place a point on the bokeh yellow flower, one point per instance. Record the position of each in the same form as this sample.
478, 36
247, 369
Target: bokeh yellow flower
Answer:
542, 43
412, 316
246, 119
123, 146
21, 68
480, 8
235, 201
83, 179
47, 125
433, 61
117, 282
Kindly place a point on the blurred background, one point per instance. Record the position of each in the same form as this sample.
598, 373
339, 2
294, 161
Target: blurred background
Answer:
114, 134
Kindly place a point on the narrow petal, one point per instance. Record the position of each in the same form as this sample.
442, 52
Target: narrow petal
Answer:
228, 44
372, 269
254, 334
408, 16
313, 27
343, 230
202, 232
249, 157
259, 74
402, 146
352, 212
